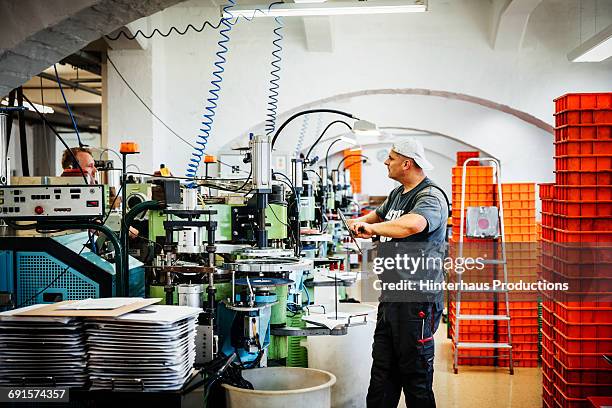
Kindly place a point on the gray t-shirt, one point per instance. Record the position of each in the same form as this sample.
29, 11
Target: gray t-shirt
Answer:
428, 202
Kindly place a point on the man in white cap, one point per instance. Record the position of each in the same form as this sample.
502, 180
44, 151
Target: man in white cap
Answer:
415, 213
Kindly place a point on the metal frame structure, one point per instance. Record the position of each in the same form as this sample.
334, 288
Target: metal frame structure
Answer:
503, 261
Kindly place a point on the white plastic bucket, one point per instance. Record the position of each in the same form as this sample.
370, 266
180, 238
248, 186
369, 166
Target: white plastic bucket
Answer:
348, 357
282, 387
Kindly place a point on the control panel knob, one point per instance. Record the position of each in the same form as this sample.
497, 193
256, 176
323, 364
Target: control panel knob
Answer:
39, 210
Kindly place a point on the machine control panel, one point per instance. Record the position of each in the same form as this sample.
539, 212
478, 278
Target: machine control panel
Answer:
31, 202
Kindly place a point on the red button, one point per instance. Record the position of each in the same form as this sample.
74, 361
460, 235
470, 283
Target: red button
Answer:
39, 210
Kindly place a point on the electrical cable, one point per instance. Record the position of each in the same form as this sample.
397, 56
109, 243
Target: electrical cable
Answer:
232, 167
42, 101
23, 141
144, 103
351, 155
58, 136
210, 108
61, 88
296, 197
274, 82
9, 124
323, 133
317, 174
110, 150
189, 27
133, 165
293, 238
167, 34
110, 210
307, 112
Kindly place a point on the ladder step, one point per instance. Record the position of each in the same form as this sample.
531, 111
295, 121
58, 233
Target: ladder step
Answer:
493, 261
484, 317
484, 345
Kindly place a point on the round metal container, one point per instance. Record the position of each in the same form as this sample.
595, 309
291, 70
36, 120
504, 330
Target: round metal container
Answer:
190, 295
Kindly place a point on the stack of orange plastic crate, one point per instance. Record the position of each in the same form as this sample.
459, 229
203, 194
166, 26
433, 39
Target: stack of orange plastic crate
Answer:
521, 254
577, 212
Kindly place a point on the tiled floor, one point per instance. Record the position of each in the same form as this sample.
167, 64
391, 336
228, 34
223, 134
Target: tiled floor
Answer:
482, 387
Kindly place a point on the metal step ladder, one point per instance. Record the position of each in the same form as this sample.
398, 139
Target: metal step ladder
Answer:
459, 345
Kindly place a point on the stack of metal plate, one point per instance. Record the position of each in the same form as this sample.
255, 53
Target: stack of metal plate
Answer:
152, 349
42, 350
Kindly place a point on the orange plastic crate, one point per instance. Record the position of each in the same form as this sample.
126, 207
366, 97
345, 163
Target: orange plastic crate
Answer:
577, 313
518, 188
526, 203
562, 401
463, 156
588, 162
520, 229
582, 177
521, 237
547, 190
582, 344
587, 116
577, 101
584, 193
583, 132
583, 147
475, 188
474, 175
519, 212
577, 223
581, 375
560, 235
579, 390
585, 208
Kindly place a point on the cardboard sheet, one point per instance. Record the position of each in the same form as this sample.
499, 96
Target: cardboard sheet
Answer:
53, 310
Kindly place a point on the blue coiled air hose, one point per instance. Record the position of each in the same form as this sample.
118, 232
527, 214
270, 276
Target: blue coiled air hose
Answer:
274, 85
209, 115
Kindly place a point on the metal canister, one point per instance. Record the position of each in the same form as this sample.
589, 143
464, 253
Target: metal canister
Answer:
190, 295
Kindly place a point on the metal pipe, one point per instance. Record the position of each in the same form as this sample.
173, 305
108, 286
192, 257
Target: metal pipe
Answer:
71, 84
3, 148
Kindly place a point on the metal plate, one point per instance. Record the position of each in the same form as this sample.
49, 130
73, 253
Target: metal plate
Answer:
265, 252
269, 265
316, 238
258, 282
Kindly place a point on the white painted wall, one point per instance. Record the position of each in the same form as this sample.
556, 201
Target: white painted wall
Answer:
444, 49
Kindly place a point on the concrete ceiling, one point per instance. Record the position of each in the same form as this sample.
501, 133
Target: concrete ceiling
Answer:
36, 34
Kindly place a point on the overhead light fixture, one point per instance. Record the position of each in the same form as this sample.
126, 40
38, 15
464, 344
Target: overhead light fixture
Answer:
327, 9
41, 108
596, 49
365, 128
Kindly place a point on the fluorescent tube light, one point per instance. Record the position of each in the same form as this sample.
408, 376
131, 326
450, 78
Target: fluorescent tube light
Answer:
595, 49
327, 9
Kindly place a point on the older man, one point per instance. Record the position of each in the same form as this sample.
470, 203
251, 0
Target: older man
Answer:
416, 212
85, 161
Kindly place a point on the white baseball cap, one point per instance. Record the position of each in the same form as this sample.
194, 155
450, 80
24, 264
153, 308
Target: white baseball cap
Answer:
412, 148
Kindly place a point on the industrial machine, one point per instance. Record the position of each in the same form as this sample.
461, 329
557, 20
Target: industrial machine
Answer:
253, 257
